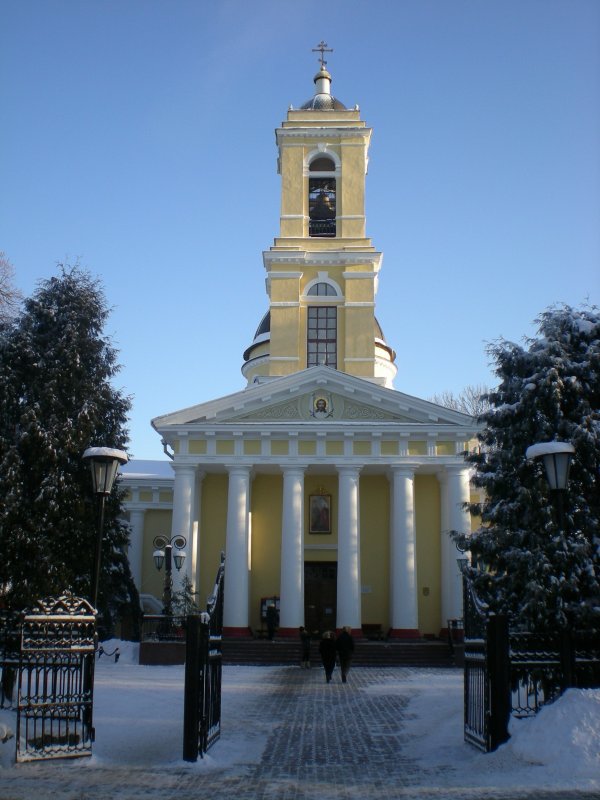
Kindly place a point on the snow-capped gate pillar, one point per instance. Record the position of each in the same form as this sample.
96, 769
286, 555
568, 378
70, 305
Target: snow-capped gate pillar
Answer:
403, 555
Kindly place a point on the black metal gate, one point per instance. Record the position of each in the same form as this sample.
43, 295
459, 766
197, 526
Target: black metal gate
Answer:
203, 671
517, 672
56, 679
487, 682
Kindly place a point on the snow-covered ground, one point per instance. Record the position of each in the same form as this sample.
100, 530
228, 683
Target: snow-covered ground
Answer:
139, 712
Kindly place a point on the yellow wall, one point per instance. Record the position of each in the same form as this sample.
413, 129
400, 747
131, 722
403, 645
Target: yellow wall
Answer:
428, 524
267, 511
374, 548
213, 526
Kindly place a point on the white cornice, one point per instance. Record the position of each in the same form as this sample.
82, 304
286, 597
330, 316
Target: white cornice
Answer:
327, 132
321, 257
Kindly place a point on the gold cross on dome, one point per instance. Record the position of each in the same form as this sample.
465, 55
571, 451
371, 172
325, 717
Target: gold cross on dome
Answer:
322, 48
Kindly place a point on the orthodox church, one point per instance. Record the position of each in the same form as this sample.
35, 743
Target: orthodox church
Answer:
326, 488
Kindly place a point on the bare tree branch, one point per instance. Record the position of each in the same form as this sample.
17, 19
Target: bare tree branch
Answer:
470, 401
10, 296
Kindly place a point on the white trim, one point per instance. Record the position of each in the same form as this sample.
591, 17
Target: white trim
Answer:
351, 216
319, 546
285, 358
293, 216
262, 337
363, 275
286, 275
359, 359
360, 305
284, 304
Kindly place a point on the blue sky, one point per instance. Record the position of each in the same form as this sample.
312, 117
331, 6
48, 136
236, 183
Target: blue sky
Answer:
120, 147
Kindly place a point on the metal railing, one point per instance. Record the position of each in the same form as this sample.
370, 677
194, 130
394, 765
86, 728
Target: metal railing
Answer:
56, 680
321, 227
514, 673
163, 628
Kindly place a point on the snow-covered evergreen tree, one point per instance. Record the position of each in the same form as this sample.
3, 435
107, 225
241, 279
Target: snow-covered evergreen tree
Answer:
523, 562
57, 399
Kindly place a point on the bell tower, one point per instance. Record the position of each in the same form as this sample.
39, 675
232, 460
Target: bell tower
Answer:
322, 270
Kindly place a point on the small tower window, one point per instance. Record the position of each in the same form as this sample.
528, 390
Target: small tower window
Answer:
321, 340
322, 289
322, 197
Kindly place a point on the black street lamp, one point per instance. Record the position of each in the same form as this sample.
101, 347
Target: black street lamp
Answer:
557, 457
164, 555
104, 462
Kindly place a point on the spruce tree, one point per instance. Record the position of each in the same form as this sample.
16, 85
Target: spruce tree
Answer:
57, 399
524, 562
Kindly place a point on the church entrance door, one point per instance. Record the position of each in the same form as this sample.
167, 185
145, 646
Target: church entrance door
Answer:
320, 594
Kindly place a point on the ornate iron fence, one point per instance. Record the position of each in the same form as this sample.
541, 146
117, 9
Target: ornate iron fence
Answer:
163, 628
514, 673
203, 672
56, 679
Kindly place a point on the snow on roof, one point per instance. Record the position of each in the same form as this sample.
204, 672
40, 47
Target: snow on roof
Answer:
139, 468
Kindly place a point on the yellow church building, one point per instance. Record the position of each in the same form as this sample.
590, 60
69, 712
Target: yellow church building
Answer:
325, 487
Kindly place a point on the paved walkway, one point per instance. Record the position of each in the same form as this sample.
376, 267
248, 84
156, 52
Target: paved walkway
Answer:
323, 742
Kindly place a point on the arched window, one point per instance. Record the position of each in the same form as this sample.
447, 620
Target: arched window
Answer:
321, 339
322, 289
321, 197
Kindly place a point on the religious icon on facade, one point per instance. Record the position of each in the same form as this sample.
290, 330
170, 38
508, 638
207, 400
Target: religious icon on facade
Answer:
320, 513
321, 406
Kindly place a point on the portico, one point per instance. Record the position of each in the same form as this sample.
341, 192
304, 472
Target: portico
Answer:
265, 436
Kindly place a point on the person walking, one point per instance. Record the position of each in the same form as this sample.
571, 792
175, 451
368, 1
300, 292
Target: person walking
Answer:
328, 651
305, 645
345, 649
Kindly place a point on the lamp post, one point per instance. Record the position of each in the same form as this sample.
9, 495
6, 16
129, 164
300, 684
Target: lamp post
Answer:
164, 554
557, 458
104, 462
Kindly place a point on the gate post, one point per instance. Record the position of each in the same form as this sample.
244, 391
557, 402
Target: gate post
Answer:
498, 659
193, 688
567, 660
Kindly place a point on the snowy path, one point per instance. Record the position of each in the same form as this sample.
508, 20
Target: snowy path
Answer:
287, 735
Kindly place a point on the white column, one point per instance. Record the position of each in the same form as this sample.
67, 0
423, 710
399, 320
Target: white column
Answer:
455, 493
184, 506
235, 612
348, 573
136, 545
195, 535
403, 554
291, 590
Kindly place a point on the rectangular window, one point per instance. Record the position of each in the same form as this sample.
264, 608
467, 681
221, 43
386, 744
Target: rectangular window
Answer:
321, 345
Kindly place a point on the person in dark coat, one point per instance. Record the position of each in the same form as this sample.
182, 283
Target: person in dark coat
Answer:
328, 651
272, 616
345, 649
305, 645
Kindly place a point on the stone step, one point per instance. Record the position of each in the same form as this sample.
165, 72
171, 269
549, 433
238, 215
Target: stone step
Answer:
419, 653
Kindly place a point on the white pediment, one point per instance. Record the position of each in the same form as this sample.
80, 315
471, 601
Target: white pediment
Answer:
317, 394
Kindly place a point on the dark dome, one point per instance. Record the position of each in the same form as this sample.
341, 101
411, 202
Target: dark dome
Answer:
265, 325
323, 102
